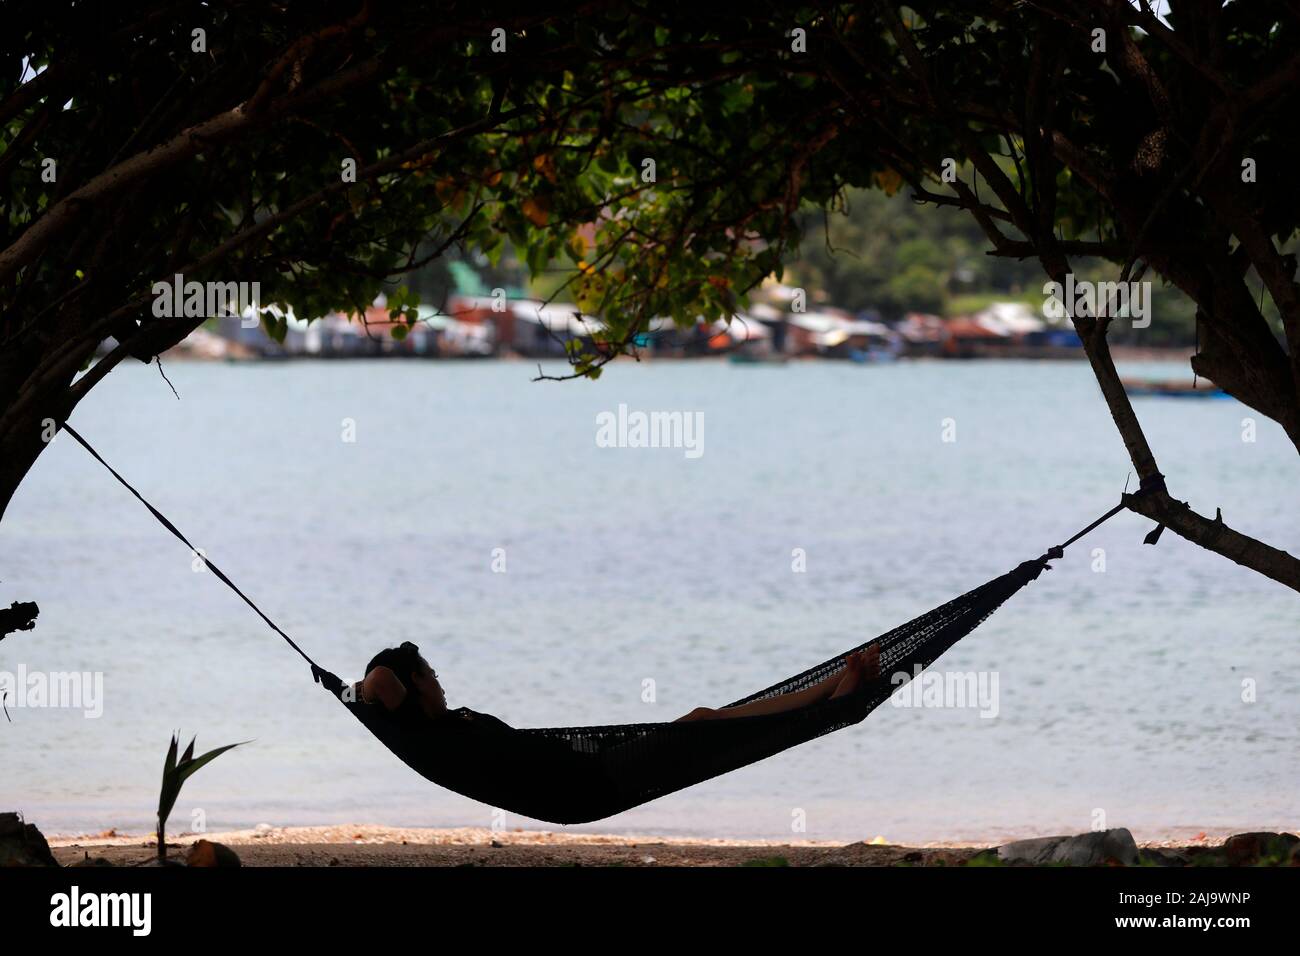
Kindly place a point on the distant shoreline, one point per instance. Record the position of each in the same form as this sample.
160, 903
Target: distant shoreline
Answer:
1120, 353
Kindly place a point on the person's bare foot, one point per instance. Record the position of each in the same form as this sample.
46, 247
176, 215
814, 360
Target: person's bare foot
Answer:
849, 677
870, 662
857, 668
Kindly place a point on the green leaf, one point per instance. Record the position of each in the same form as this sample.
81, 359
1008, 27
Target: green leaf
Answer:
167, 799
169, 764
183, 772
175, 774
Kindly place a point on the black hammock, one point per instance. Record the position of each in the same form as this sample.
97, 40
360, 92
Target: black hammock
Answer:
579, 774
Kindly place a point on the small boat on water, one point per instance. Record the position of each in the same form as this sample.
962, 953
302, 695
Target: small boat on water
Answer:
742, 357
1155, 388
872, 355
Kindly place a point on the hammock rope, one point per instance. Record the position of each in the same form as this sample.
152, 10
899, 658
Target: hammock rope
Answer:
579, 774
221, 575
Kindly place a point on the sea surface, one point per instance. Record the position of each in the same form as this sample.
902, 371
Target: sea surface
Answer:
554, 581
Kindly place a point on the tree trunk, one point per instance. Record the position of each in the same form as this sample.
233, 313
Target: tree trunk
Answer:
11, 475
26, 433
39, 384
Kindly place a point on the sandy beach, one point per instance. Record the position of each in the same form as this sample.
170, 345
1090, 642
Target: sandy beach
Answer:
370, 845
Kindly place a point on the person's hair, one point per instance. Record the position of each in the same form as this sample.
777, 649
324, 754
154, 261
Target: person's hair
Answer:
402, 661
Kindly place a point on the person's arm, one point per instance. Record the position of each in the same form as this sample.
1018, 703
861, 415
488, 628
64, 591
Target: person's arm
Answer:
863, 665
381, 685
770, 705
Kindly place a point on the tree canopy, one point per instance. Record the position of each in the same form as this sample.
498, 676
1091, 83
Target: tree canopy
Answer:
664, 150
892, 255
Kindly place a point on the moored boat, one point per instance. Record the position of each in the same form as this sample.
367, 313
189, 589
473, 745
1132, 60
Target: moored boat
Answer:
1156, 388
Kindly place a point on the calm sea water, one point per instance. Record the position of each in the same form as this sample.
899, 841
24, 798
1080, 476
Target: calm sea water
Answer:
1120, 692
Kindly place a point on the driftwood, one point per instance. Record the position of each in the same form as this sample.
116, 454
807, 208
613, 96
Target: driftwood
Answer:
21, 844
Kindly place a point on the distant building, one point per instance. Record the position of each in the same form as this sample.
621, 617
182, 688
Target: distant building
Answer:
538, 330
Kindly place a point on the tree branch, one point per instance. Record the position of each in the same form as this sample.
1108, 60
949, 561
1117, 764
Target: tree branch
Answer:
19, 616
1213, 535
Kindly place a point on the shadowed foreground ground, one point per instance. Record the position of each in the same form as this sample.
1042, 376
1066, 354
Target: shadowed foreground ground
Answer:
385, 846
643, 854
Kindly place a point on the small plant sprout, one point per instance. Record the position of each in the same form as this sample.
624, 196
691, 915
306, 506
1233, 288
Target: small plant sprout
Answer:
175, 773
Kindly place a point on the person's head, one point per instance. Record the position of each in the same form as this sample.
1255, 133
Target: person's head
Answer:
412, 670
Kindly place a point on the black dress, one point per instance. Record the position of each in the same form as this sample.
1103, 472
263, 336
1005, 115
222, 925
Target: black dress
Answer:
477, 754
461, 726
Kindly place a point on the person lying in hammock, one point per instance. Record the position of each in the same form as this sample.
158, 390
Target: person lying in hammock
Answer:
403, 682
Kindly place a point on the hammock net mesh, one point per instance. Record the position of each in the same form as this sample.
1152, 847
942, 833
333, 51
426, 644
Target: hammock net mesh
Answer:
578, 774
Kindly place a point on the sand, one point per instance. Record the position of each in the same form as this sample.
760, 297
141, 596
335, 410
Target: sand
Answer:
369, 845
